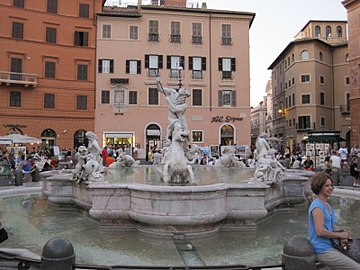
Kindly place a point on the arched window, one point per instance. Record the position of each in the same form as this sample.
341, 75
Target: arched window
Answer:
48, 138
317, 31
339, 31
328, 31
321, 57
80, 138
347, 57
305, 55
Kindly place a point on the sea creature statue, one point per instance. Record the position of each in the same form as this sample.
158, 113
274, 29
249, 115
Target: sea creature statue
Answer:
267, 169
89, 164
229, 159
176, 165
124, 160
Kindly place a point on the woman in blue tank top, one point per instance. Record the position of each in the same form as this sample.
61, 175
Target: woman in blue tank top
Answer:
322, 226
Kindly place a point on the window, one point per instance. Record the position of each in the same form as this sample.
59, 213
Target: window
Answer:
322, 98
321, 57
305, 78
304, 122
227, 98
105, 97
197, 136
175, 36
339, 31
347, 57
197, 97
132, 97
175, 64
226, 34
289, 101
328, 31
18, 3
84, 11
106, 31
197, 65
196, 33
322, 121
16, 69
305, 99
52, 6
50, 69
17, 30
305, 55
153, 96
347, 80
293, 99
81, 39
153, 30
50, 35
322, 79
82, 72
153, 63
317, 31
347, 101
81, 102
15, 99
227, 66
134, 32
106, 66
133, 67
49, 101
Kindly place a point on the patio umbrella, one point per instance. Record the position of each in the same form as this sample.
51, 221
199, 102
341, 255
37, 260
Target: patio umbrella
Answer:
18, 138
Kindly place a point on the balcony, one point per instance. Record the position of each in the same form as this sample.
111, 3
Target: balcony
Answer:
345, 109
8, 78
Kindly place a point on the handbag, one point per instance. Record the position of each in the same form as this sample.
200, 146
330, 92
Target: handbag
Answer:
3, 234
351, 249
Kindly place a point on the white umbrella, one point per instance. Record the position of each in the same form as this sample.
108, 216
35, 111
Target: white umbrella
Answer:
18, 138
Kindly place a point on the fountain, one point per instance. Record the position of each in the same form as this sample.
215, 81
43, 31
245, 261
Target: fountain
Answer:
179, 204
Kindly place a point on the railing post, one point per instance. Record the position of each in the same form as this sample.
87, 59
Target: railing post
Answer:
298, 254
58, 254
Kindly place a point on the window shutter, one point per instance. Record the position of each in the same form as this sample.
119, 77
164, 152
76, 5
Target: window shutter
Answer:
100, 66
203, 63
85, 41
127, 67
233, 64
77, 38
146, 61
112, 66
190, 63
160, 61
168, 62
220, 64
233, 98
138, 67
182, 62
220, 98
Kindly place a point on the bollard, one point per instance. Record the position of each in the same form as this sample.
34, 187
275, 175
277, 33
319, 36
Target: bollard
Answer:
19, 177
35, 175
298, 254
58, 254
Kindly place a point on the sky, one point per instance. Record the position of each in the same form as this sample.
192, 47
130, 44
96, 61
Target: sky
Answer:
275, 25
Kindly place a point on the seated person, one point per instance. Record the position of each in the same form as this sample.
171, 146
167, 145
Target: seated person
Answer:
308, 164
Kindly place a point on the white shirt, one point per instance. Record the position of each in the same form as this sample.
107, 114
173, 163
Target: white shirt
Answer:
335, 161
343, 152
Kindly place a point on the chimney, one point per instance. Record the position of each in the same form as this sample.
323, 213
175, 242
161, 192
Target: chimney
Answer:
173, 3
139, 3
204, 5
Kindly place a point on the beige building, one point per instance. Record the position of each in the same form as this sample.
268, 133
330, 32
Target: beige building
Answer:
258, 120
310, 84
205, 50
353, 10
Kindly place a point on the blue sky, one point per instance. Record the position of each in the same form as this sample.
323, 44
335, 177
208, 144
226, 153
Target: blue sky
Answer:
274, 27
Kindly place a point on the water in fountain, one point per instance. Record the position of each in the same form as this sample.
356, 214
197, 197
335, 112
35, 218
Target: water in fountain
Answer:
32, 221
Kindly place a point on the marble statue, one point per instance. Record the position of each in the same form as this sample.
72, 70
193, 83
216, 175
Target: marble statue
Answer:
176, 166
267, 169
124, 160
229, 159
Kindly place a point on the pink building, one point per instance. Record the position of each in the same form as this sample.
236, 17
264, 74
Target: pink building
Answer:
205, 50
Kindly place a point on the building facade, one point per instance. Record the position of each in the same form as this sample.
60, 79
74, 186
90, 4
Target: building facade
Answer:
353, 11
206, 51
310, 83
47, 78
258, 120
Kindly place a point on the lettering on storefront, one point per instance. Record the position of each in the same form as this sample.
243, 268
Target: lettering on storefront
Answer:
226, 119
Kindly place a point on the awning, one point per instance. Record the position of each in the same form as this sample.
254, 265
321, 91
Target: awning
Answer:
153, 132
118, 135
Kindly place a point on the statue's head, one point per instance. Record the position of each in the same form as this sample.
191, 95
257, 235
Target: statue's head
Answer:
184, 92
82, 149
91, 135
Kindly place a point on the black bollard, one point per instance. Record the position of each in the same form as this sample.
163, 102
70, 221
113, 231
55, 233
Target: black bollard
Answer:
35, 175
298, 254
19, 177
58, 254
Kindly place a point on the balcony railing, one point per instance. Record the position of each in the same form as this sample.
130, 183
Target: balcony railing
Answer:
24, 79
345, 109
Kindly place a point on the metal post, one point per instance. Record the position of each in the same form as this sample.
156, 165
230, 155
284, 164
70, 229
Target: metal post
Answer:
58, 254
19, 177
298, 254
